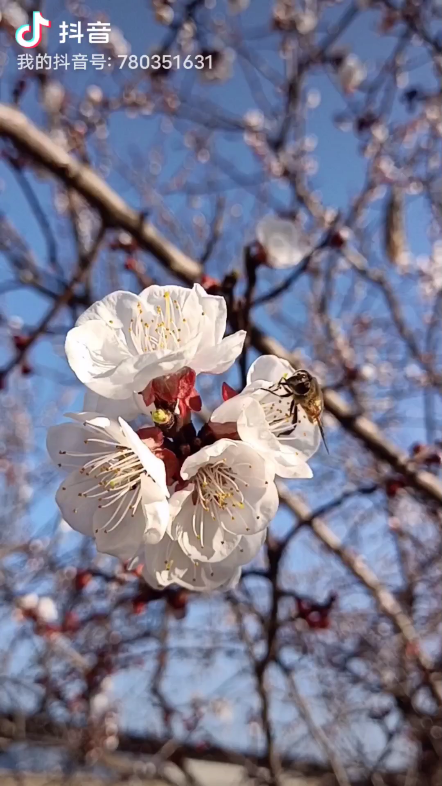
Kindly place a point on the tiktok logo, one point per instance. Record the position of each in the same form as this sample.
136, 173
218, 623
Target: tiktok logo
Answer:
38, 22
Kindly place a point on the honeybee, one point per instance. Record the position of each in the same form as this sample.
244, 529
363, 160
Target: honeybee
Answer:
305, 391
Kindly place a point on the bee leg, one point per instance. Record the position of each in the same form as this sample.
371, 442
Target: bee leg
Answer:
294, 416
279, 395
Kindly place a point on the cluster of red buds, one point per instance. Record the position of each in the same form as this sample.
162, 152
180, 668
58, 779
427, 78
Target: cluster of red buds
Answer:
315, 614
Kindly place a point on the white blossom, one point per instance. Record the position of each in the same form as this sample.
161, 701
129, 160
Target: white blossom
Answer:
53, 96
28, 602
221, 68
352, 73
13, 14
164, 14
313, 98
283, 241
166, 563
218, 521
306, 22
125, 341
118, 45
231, 494
254, 119
263, 420
102, 700
94, 94
116, 490
47, 610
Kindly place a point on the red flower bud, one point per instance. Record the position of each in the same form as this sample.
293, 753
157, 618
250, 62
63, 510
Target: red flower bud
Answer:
211, 285
71, 623
228, 392
131, 264
20, 341
393, 485
82, 579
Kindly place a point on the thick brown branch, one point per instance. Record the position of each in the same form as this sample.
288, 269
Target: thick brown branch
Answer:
14, 125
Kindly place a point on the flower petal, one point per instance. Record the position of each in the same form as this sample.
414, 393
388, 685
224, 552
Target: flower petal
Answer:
215, 310
289, 460
218, 358
254, 429
76, 509
66, 438
167, 564
127, 408
284, 242
230, 410
115, 310
288, 466
270, 368
111, 428
178, 499
153, 465
186, 298
204, 456
260, 507
124, 540
306, 437
157, 518
94, 350
201, 538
